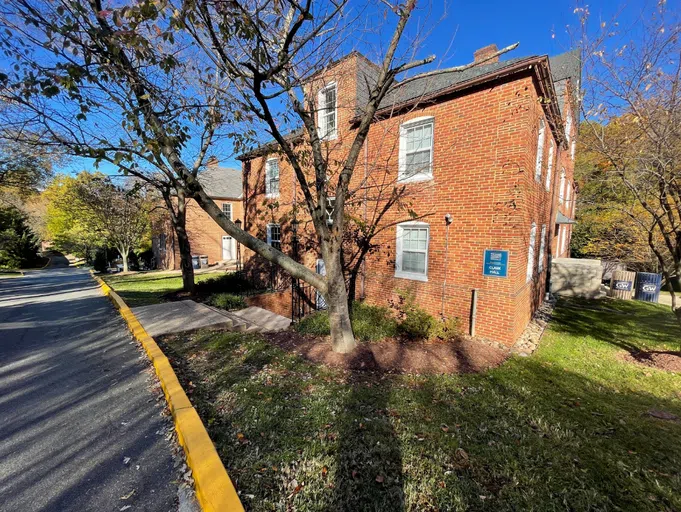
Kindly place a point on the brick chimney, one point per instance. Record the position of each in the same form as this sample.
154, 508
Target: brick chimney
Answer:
212, 162
484, 53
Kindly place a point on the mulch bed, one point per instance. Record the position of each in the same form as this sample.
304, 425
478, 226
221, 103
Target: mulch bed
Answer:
395, 355
669, 361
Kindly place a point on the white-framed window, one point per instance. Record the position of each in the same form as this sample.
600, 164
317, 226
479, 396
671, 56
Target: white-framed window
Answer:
568, 196
542, 248
561, 191
540, 150
568, 126
162, 242
573, 149
411, 254
549, 167
227, 210
530, 252
327, 115
416, 150
272, 177
274, 236
330, 205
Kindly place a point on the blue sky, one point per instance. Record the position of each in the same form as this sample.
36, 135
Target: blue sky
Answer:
471, 24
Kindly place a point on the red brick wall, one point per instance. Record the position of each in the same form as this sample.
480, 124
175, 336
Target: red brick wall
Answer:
205, 236
278, 302
485, 143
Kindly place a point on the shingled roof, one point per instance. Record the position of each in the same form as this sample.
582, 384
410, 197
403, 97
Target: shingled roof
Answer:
564, 66
221, 182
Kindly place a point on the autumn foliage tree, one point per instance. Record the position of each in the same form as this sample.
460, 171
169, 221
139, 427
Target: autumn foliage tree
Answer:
632, 100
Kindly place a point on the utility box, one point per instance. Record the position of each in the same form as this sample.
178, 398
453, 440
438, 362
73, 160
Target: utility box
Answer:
574, 277
204, 260
648, 286
196, 263
622, 284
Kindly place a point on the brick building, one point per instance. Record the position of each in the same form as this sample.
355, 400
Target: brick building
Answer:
483, 161
224, 186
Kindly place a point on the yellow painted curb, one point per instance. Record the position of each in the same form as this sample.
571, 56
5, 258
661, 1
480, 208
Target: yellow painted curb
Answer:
214, 489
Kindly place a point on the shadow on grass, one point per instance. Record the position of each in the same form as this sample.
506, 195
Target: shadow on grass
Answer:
526, 436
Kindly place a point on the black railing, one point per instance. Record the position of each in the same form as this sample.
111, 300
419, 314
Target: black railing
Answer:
305, 299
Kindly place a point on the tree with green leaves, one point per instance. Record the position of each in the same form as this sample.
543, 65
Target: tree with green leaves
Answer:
152, 86
69, 225
18, 244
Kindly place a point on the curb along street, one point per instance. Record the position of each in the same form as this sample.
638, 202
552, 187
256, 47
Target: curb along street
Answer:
214, 489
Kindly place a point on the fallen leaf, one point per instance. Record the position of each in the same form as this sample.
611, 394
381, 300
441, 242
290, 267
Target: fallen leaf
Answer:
380, 479
461, 454
354, 474
127, 496
444, 428
325, 471
662, 415
442, 484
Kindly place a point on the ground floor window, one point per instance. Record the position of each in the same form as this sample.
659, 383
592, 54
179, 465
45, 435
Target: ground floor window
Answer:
530, 252
411, 259
274, 236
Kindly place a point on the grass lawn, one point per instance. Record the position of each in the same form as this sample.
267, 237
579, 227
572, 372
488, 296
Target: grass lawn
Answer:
564, 429
149, 287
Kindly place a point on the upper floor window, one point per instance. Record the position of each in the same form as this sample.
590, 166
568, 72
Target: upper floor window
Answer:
573, 148
327, 113
561, 191
549, 167
162, 242
272, 177
540, 150
227, 210
274, 236
568, 126
530, 252
411, 251
416, 150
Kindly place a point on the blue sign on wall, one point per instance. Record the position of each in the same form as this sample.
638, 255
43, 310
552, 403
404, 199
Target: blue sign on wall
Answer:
496, 263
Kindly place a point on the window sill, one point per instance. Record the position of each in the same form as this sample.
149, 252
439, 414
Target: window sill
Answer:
271, 196
416, 178
411, 277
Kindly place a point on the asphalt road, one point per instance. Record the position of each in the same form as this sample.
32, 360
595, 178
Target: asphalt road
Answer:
76, 403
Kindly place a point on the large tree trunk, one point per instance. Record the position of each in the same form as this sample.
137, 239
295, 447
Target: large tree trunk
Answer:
342, 338
177, 209
184, 247
124, 256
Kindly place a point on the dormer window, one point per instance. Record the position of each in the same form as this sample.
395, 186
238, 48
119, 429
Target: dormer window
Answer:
327, 113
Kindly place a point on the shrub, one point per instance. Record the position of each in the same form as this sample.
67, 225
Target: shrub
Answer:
18, 244
369, 323
100, 263
416, 323
233, 283
227, 301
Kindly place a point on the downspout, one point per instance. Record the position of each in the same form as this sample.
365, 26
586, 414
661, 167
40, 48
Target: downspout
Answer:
552, 225
362, 292
448, 221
